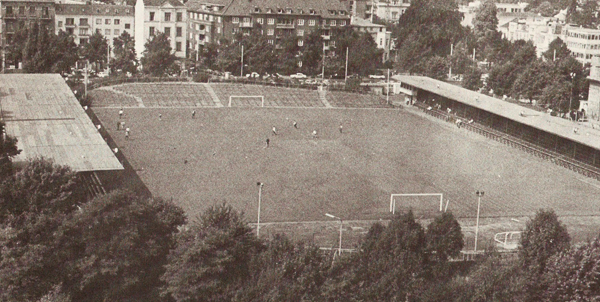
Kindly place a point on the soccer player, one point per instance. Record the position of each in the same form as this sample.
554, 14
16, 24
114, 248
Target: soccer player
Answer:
127, 134
122, 125
341, 128
160, 116
314, 133
193, 113
274, 130
118, 125
295, 125
268, 141
121, 113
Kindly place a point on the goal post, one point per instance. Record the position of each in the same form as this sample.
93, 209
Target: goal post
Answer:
250, 97
393, 200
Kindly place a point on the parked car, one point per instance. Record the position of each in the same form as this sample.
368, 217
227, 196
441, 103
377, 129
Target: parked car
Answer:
298, 76
376, 76
253, 75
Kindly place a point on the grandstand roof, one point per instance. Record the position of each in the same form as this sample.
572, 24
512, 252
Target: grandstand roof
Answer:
523, 115
43, 114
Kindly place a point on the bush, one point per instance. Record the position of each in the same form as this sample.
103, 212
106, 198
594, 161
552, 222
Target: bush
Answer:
201, 77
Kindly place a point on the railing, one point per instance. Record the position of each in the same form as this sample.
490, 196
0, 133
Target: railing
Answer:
285, 25
556, 158
246, 24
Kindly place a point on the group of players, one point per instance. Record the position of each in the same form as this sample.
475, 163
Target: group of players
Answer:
295, 125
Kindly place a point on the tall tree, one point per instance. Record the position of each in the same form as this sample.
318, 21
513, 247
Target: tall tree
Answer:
96, 51
485, 24
311, 53
34, 202
543, 237
557, 50
444, 237
116, 246
158, 55
125, 57
65, 53
586, 15
211, 257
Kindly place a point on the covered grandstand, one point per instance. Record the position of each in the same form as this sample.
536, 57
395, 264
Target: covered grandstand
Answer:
569, 143
43, 114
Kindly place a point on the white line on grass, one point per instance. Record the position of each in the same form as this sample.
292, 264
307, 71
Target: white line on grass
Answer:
589, 183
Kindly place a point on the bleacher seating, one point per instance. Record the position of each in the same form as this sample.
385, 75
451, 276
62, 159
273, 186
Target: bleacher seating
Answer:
109, 98
354, 100
169, 94
273, 96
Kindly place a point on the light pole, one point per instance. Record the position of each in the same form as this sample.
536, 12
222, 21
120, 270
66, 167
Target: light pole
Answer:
323, 67
242, 63
572, 74
479, 195
341, 223
260, 185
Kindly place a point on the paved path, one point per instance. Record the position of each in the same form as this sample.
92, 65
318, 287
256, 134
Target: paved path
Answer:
322, 97
214, 96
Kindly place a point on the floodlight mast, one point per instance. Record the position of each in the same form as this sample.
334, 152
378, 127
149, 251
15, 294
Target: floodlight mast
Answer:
479, 195
260, 185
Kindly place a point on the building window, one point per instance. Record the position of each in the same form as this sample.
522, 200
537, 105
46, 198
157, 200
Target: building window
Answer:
117, 21
98, 30
127, 26
32, 10
179, 17
167, 17
70, 21
107, 21
300, 22
151, 16
117, 32
83, 41
270, 32
259, 20
98, 21
332, 23
45, 12
301, 33
343, 23
83, 31
107, 32
270, 42
21, 10
235, 20
9, 10
218, 30
151, 31
168, 31
300, 43
178, 32
70, 31
270, 21
178, 46
311, 22
60, 23
83, 21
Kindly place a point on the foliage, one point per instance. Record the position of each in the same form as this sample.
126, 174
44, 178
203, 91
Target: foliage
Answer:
544, 236
158, 55
34, 202
117, 246
485, 24
286, 271
574, 275
65, 53
436, 67
363, 55
532, 81
8, 149
472, 79
311, 53
95, 50
125, 58
201, 77
545, 9
429, 28
210, 258
586, 14
558, 45
208, 55
444, 237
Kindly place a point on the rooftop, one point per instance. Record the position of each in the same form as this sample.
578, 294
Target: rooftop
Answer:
174, 3
360, 22
43, 114
94, 9
324, 8
542, 121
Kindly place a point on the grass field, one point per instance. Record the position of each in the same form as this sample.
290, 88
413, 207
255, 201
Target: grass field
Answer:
349, 174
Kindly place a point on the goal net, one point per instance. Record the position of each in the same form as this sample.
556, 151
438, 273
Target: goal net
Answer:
246, 101
422, 204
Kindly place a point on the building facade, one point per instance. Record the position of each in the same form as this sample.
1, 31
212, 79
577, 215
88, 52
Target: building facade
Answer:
540, 30
164, 16
593, 103
202, 16
584, 43
18, 14
380, 35
83, 20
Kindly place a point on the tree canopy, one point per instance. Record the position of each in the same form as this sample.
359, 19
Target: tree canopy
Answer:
158, 56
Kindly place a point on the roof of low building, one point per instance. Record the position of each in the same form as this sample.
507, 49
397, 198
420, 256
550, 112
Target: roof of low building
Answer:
94, 9
43, 114
526, 116
360, 22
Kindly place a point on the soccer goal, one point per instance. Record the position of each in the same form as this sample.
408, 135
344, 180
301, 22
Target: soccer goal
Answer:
417, 201
246, 101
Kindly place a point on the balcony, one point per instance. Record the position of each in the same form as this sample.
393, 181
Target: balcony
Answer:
285, 25
70, 25
10, 16
246, 24
46, 16
84, 25
326, 37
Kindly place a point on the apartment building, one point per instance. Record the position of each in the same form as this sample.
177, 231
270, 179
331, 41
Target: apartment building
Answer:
201, 19
387, 10
17, 14
83, 20
540, 30
380, 35
165, 16
276, 18
584, 43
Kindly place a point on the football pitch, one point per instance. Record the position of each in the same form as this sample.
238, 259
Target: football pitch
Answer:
221, 154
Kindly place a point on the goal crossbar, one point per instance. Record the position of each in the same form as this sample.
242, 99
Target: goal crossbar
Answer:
393, 201
262, 98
